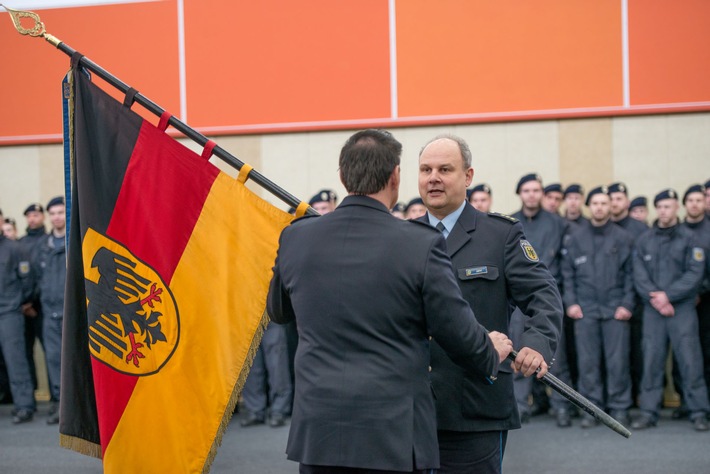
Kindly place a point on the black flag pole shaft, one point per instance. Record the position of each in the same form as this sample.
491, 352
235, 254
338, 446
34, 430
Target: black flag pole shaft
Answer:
579, 400
38, 30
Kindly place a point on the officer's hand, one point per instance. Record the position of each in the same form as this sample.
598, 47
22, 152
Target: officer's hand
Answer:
528, 361
622, 314
659, 299
575, 312
667, 310
29, 310
501, 343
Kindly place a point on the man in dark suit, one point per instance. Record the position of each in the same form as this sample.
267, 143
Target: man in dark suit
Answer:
367, 290
497, 269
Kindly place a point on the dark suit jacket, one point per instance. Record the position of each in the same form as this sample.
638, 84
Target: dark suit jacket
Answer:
367, 290
495, 274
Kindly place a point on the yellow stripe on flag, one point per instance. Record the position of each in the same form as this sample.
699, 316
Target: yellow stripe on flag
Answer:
220, 286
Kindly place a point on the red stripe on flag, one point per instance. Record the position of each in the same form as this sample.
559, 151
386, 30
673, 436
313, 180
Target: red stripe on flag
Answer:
161, 198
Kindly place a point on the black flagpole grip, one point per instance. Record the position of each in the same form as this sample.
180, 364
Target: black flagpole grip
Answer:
579, 400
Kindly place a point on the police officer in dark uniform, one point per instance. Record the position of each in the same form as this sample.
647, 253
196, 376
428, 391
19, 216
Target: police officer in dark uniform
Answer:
497, 268
599, 296
481, 197
552, 198
698, 222
36, 233
545, 231
668, 271
619, 194
573, 199
15, 289
638, 209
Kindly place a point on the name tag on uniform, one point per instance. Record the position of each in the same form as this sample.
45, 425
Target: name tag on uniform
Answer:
476, 271
647, 258
580, 260
24, 268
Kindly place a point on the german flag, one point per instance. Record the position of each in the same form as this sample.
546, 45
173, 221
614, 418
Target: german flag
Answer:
169, 265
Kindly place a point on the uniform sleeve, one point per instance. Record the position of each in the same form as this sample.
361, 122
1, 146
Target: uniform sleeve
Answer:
278, 301
26, 273
642, 280
688, 284
534, 290
450, 319
627, 273
569, 295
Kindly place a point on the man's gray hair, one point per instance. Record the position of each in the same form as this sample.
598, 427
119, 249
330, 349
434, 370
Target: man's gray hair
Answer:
463, 148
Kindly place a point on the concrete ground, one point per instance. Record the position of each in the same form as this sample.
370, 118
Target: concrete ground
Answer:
539, 448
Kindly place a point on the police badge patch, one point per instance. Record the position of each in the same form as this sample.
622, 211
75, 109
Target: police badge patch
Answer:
529, 251
698, 254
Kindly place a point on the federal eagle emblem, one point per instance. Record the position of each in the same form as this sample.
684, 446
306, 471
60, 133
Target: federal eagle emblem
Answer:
132, 315
529, 251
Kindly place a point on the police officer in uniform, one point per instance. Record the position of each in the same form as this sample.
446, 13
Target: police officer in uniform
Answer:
619, 194
552, 198
545, 232
698, 222
638, 209
481, 197
497, 269
668, 270
15, 289
573, 199
599, 296
324, 201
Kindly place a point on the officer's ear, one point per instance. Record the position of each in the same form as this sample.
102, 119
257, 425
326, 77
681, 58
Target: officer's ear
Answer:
395, 178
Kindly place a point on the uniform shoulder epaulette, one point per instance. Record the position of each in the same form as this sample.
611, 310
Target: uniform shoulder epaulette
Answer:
505, 217
304, 217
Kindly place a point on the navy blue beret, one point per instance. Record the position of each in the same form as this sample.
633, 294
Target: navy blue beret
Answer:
639, 201
574, 188
553, 188
33, 207
598, 190
482, 188
324, 195
412, 203
55, 201
525, 179
665, 194
399, 207
618, 188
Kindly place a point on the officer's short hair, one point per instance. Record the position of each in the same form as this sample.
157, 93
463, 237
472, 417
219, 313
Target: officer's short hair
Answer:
463, 148
367, 161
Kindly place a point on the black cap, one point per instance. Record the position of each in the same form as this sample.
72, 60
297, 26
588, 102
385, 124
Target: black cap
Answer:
324, 195
412, 203
553, 188
598, 190
696, 188
55, 201
638, 201
399, 207
707, 184
33, 207
525, 179
618, 188
482, 188
574, 188
665, 194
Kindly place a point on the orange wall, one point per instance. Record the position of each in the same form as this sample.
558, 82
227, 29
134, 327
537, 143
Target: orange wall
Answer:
256, 67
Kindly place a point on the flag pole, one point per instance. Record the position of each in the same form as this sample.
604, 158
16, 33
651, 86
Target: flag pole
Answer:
38, 30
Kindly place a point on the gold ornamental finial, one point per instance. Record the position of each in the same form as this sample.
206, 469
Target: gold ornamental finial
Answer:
36, 30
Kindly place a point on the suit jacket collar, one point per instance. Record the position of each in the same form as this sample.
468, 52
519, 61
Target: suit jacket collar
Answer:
364, 201
460, 234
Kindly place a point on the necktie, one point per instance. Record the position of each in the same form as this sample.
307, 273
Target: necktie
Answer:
440, 227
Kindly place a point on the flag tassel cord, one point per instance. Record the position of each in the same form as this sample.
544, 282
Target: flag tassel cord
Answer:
38, 30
